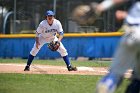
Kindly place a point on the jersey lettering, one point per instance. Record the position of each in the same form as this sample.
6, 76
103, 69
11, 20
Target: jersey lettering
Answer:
51, 30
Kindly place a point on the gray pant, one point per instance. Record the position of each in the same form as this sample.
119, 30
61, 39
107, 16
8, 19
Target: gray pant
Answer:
127, 55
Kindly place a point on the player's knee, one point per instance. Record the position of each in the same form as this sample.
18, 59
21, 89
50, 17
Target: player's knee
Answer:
34, 51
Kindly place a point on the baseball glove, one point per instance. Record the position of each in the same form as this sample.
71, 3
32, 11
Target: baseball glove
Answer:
85, 14
54, 45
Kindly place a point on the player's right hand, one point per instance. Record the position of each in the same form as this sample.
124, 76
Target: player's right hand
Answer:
120, 15
37, 45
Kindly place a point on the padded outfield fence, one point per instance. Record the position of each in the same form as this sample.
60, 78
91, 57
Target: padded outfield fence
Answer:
92, 45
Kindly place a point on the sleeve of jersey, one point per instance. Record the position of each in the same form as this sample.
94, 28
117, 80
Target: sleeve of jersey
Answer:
60, 29
40, 29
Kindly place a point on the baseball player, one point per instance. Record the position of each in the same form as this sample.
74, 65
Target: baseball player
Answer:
127, 55
46, 33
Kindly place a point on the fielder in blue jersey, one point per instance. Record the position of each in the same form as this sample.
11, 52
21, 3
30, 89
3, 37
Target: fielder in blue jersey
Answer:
46, 33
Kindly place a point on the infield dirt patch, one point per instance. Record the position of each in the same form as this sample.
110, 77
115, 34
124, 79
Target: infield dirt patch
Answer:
48, 69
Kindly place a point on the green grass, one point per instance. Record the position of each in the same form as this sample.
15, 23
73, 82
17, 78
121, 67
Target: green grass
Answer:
43, 83
36, 83
60, 62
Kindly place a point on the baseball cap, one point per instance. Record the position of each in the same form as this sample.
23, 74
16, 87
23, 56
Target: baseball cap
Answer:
49, 13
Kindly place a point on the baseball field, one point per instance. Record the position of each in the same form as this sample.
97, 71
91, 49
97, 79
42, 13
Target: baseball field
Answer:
51, 76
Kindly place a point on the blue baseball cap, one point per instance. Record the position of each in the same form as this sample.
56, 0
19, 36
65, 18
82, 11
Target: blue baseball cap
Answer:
49, 13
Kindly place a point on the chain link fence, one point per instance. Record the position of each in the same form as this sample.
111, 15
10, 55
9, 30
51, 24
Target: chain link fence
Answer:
29, 13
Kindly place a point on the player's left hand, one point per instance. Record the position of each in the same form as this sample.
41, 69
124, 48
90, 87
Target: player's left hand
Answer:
54, 45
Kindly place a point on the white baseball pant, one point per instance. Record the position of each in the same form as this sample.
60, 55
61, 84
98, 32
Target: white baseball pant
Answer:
42, 41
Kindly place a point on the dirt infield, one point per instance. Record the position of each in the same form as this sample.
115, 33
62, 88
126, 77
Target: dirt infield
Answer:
48, 69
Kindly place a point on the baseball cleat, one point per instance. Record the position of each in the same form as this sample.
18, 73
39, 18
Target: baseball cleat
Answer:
71, 68
27, 68
108, 84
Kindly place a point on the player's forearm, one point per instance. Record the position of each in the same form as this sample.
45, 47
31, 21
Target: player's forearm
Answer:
37, 39
61, 34
106, 4
60, 38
